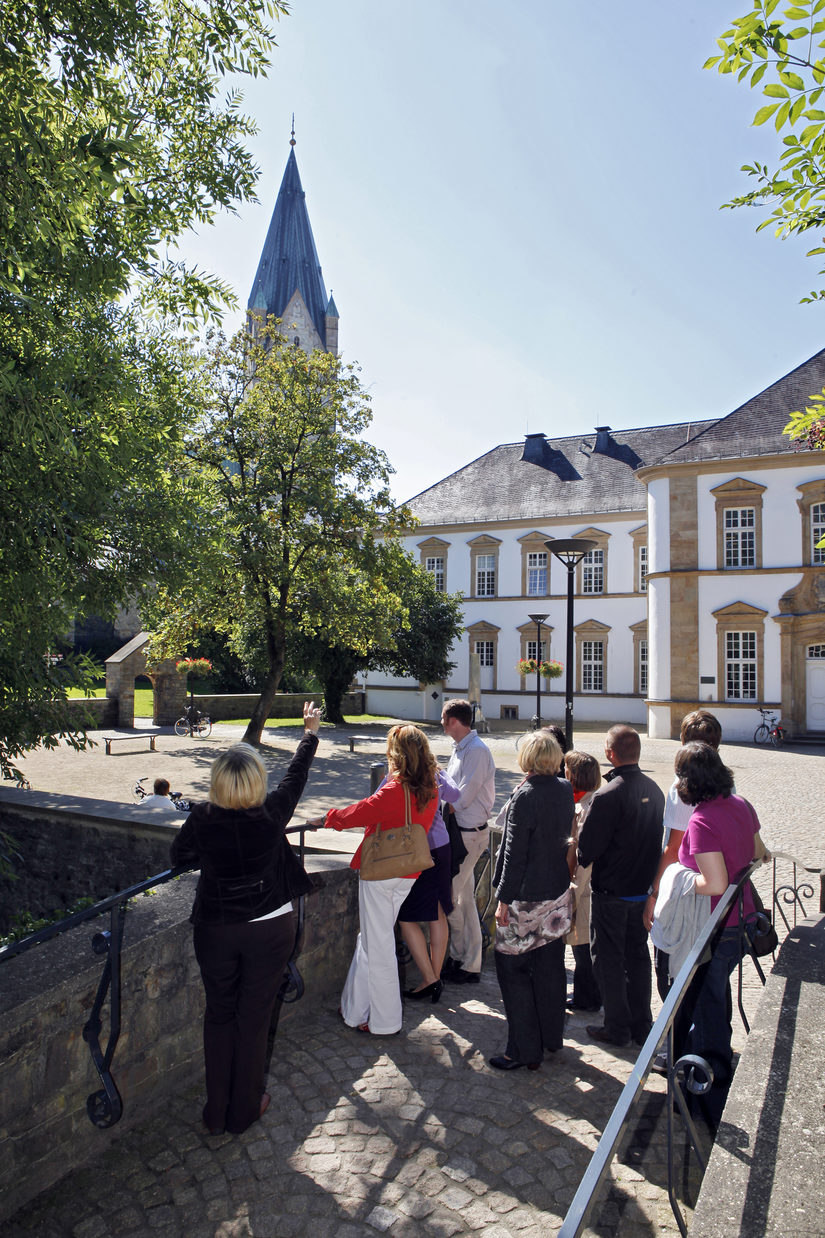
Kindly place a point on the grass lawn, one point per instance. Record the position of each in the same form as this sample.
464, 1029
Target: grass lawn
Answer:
143, 709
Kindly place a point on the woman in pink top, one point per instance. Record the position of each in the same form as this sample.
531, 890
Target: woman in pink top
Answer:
721, 839
371, 1000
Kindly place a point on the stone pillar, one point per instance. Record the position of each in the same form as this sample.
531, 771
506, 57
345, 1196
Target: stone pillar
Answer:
169, 697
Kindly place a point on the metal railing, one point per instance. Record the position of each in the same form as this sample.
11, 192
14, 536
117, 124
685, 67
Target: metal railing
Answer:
105, 1107
689, 1073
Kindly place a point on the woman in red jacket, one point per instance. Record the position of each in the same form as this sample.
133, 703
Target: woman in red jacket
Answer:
371, 1000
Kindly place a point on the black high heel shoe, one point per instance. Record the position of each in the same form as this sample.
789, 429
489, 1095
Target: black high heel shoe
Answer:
433, 991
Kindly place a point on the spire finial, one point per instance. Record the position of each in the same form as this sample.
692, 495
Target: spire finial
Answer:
292, 139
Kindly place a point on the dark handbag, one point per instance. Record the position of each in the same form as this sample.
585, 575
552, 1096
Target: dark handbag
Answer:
761, 931
458, 852
396, 852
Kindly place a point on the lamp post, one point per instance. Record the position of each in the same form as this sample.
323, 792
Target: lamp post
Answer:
538, 620
570, 551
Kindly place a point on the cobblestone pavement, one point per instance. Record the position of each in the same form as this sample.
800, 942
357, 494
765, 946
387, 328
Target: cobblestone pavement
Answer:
412, 1134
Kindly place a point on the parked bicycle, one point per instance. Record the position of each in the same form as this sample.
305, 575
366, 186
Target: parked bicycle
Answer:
139, 792
770, 729
193, 722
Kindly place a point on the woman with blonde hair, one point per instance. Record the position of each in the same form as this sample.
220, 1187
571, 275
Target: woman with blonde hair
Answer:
371, 1000
244, 929
535, 906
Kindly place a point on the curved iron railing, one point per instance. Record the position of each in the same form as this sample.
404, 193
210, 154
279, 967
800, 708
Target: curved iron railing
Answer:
105, 1107
690, 1073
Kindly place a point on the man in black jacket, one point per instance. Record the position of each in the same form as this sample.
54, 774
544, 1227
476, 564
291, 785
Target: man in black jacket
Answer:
622, 838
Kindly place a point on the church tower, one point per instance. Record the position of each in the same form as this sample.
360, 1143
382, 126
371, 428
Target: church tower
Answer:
288, 283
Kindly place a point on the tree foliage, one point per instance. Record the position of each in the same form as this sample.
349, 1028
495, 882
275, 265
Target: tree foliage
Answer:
783, 52
398, 623
295, 510
114, 139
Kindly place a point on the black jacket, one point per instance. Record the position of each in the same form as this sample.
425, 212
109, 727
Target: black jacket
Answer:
622, 833
247, 867
532, 861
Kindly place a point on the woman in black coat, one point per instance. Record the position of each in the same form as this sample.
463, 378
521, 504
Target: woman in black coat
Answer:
535, 906
244, 928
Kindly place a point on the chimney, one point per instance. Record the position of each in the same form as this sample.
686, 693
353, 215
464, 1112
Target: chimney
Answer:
603, 439
535, 447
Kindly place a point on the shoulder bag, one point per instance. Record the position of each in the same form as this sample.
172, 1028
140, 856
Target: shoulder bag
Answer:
396, 852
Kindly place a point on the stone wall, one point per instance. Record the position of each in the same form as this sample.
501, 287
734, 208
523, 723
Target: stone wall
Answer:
46, 1073
286, 705
72, 847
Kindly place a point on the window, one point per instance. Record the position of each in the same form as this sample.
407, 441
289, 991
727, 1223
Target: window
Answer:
433, 554
740, 537
816, 651
738, 524
817, 533
593, 572
592, 666
509, 713
740, 666
531, 650
485, 576
537, 574
528, 649
484, 566
484, 649
640, 560
642, 667
434, 564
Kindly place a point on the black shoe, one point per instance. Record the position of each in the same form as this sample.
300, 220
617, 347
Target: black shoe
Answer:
502, 1062
451, 966
460, 976
574, 1006
601, 1034
432, 991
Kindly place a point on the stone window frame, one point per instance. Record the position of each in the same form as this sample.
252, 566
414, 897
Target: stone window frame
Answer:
591, 630
481, 630
738, 493
639, 538
811, 494
640, 642
483, 545
602, 540
527, 633
534, 543
435, 548
508, 713
739, 617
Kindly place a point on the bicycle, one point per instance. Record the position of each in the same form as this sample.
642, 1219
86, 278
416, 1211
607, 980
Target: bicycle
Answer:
769, 729
192, 722
139, 793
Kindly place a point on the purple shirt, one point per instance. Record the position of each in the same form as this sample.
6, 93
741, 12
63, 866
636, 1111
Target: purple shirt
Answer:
727, 824
447, 792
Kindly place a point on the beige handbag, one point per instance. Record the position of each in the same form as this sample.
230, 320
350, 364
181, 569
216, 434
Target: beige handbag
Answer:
396, 852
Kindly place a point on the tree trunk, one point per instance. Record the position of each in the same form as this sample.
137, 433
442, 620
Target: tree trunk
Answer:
260, 712
336, 678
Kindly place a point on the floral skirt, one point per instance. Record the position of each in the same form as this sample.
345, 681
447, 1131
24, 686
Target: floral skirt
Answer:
534, 924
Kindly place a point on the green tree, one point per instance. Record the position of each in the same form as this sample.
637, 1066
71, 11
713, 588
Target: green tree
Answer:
783, 51
398, 622
292, 500
114, 139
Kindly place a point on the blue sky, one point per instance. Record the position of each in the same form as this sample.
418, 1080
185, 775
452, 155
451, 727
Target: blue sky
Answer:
517, 210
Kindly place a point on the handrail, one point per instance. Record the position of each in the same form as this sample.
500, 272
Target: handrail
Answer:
105, 1107
688, 1070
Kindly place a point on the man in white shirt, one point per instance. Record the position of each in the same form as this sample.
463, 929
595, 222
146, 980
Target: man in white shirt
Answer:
473, 771
160, 799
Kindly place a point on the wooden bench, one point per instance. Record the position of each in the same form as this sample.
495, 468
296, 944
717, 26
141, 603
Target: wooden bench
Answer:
117, 739
361, 739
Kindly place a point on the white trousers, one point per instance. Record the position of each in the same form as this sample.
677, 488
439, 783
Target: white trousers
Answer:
465, 926
371, 993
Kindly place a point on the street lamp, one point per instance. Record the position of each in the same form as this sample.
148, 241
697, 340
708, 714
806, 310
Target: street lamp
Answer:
570, 551
538, 620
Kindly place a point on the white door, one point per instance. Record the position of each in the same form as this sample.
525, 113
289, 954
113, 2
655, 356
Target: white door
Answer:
815, 688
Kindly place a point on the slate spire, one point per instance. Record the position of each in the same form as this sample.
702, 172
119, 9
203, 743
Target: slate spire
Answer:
289, 261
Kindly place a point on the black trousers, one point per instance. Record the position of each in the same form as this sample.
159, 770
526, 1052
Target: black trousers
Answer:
586, 992
621, 961
242, 967
533, 989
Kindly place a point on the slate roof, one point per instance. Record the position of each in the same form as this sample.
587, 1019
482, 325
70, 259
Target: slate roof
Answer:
289, 260
561, 477
755, 428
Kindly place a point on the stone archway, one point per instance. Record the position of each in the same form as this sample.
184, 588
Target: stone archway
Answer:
801, 621
169, 685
